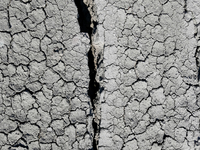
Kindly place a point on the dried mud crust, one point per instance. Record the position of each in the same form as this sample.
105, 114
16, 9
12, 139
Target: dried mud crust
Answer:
151, 90
97, 74
44, 77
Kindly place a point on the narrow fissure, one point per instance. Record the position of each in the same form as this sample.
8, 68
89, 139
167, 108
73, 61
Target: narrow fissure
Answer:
185, 6
197, 63
89, 26
92, 92
8, 13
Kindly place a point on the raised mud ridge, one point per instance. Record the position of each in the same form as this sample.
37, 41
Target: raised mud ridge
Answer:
88, 23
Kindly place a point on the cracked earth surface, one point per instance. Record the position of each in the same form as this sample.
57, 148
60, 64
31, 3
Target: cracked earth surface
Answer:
97, 74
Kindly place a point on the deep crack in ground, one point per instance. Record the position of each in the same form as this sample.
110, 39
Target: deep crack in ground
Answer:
131, 83
85, 21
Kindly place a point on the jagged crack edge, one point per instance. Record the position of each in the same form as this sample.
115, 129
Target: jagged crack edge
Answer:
84, 19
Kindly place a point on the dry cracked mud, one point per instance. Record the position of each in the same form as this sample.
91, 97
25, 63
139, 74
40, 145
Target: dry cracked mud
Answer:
99, 74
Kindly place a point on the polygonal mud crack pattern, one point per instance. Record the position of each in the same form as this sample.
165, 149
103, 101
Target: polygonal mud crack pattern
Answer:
44, 77
150, 68
140, 89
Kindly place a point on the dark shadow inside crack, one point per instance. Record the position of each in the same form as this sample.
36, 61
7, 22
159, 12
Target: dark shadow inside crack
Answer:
198, 74
92, 92
84, 17
88, 26
93, 85
185, 6
197, 61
